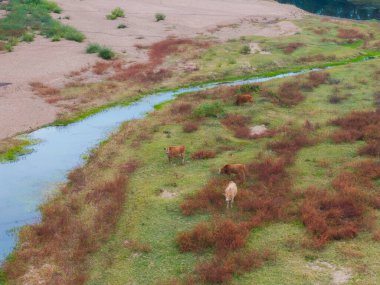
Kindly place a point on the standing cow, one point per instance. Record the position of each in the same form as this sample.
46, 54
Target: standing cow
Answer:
243, 98
238, 169
230, 193
176, 152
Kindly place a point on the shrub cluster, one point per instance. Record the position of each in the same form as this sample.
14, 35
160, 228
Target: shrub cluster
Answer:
190, 127
360, 126
291, 47
116, 13
203, 154
103, 52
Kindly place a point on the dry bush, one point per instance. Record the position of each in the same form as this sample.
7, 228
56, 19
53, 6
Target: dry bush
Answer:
238, 124
362, 126
221, 269
190, 127
342, 136
372, 148
334, 216
314, 58
318, 78
63, 238
224, 235
289, 94
350, 34
203, 154
291, 47
292, 142
77, 178
210, 197
181, 109
196, 240
43, 90
150, 72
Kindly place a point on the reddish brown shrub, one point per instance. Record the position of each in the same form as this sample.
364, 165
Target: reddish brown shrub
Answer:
291, 47
181, 109
330, 216
215, 271
350, 34
221, 268
233, 121
315, 58
318, 78
269, 171
342, 136
210, 197
289, 94
190, 127
290, 144
101, 67
77, 178
203, 154
372, 148
43, 90
229, 235
198, 239
238, 124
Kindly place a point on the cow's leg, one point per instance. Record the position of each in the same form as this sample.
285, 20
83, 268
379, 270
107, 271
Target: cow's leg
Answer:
183, 158
232, 202
169, 158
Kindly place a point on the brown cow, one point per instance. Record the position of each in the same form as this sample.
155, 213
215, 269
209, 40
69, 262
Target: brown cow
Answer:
244, 98
230, 193
176, 151
238, 169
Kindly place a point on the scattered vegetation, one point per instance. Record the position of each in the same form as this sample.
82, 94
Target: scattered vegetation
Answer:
214, 109
245, 49
11, 149
103, 52
116, 13
122, 26
24, 18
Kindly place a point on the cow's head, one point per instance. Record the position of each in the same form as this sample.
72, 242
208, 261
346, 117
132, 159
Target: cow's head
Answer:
166, 149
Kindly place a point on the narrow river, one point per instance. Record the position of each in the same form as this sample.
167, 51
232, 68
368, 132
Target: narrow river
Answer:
26, 183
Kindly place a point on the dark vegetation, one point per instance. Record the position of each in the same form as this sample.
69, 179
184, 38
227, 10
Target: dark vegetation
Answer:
291, 47
26, 17
203, 154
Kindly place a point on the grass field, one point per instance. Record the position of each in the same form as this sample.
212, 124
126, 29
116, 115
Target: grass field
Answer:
150, 223
119, 218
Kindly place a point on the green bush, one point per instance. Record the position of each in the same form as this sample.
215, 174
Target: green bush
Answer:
249, 88
160, 17
34, 15
214, 109
106, 53
116, 13
93, 48
56, 38
27, 37
245, 49
8, 47
122, 26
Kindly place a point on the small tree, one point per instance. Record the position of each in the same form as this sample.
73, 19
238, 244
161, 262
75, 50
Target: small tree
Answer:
245, 50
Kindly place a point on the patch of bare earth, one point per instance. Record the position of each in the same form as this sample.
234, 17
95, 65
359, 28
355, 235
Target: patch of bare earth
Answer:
339, 275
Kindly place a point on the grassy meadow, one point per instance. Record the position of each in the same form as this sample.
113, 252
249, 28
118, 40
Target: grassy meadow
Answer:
128, 216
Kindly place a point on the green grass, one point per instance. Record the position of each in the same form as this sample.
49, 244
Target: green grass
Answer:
12, 149
31, 16
103, 52
154, 220
93, 48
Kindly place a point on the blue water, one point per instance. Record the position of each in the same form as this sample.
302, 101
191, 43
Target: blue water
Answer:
351, 9
26, 183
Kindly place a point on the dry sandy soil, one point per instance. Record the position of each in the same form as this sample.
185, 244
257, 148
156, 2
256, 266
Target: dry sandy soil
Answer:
48, 62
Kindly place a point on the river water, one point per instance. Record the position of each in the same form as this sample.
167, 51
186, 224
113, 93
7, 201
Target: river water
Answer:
351, 9
26, 183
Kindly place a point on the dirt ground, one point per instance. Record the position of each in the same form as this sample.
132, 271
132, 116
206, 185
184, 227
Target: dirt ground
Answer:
49, 62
